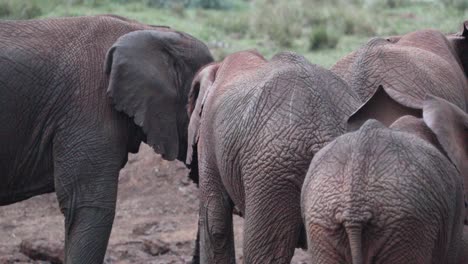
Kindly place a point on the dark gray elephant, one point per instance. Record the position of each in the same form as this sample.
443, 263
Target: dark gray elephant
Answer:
407, 68
255, 125
67, 122
390, 195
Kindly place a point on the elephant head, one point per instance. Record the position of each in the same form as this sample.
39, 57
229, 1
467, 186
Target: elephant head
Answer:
405, 69
150, 73
198, 93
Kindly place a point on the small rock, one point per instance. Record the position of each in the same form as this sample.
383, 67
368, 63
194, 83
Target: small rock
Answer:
185, 181
181, 248
155, 248
146, 228
43, 250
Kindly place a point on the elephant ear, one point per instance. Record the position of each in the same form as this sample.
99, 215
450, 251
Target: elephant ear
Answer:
450, 125
459, 41
464, 29
199, 91
143, 84
380, 106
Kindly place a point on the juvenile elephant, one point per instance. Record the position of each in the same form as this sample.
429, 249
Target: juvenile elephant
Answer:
67, 123
254, 127
390, 195
405, 69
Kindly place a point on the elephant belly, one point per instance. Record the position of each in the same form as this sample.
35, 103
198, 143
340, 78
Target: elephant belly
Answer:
17, 195
26, 174
26, 161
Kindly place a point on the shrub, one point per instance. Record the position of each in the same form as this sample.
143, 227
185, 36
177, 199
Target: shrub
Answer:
352, 22
348, 19
5, 9
379, 4
320, 38
178, 9
210, 4
281, 21
166, 3
30, 10
459, 4
20, 9
229, 23
219, 53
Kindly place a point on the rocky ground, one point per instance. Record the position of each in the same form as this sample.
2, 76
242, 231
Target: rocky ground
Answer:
155, 222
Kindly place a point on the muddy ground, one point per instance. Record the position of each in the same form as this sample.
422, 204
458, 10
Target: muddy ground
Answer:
155, 222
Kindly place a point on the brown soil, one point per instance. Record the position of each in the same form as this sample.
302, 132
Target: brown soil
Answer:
155, 223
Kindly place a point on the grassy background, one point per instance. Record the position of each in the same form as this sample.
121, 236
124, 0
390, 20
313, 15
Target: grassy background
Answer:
322, 30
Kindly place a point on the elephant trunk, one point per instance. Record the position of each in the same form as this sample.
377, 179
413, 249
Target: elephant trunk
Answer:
354, 232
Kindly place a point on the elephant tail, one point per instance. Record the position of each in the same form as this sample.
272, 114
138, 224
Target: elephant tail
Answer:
354, 232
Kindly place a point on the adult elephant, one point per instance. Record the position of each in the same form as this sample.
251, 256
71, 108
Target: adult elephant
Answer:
255, 125
390, 195
70, 113
406, 68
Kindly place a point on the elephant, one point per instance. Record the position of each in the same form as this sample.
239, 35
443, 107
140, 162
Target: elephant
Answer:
390, 194
393, 75
77, 95
405, 69
255, 125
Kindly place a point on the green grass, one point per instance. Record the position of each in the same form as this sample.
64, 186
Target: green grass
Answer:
247, 25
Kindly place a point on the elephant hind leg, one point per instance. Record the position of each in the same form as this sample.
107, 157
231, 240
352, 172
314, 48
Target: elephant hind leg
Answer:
215, 224
272, 224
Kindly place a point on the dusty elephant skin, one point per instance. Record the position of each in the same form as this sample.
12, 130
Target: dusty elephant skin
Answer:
78, 94
255, 125
390, 195
406, 68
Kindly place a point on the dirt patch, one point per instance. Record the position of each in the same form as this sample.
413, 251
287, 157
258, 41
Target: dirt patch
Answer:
156, 218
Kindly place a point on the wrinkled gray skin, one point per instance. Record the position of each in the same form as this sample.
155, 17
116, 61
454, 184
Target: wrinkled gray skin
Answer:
406, 68
390, 195
255, 126
393, 76
69, 113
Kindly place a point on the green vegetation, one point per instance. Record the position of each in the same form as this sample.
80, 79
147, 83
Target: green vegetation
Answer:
322, 30
20, 9
320, 38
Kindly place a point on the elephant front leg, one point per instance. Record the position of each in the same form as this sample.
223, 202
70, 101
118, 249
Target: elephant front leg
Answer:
88, 227
86, 183
215, 225
89, 210
463, 250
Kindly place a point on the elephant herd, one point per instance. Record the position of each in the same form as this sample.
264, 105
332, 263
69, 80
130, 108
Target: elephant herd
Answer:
365, 162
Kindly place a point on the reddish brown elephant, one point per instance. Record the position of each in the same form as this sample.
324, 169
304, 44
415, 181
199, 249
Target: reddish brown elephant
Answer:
390, 195
255, 125
393, 75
